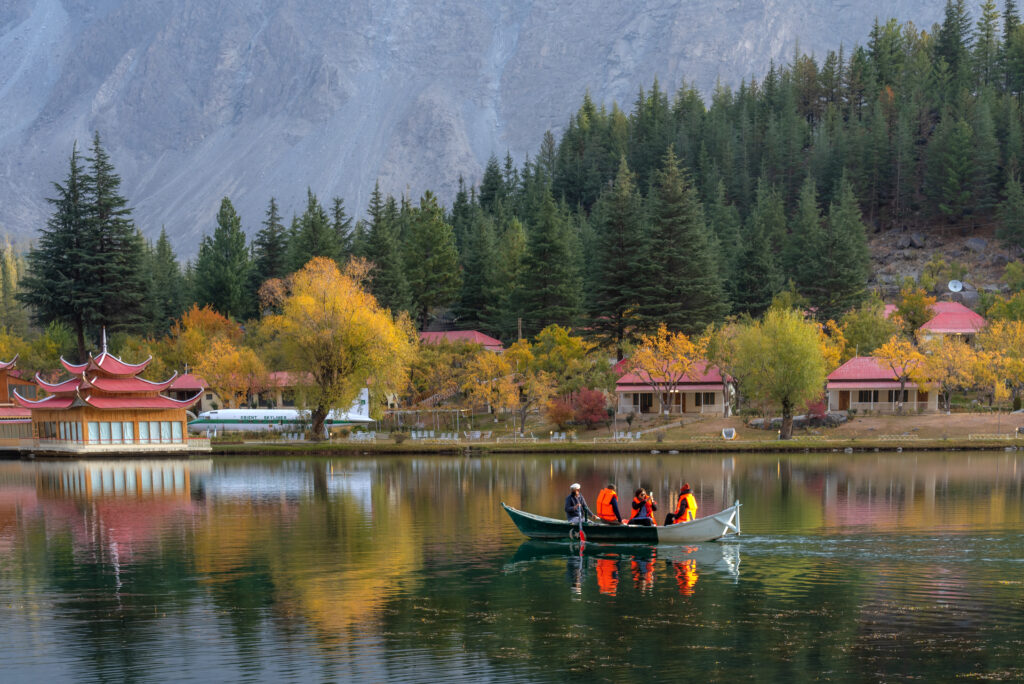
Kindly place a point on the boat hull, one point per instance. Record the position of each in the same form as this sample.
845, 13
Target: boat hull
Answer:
704, 529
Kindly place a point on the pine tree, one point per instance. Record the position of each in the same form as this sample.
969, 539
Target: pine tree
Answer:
120, 281
431, 260
950, 171
725, 224
617, 272
479, 297
1011, 54
269, 249
952, 45
492, 187
985, 153
1011, 214
167, 286
508, 272
342, 225
313, 236
769, 214
798, 263
985, 55
757, 274
548, 290
838, 260
682, 288
383, 249
223, 266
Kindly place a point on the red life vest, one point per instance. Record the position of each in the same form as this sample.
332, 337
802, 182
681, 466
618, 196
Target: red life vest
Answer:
645, 506
604, 505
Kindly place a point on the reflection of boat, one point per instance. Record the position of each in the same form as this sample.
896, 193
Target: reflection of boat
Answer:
704, 529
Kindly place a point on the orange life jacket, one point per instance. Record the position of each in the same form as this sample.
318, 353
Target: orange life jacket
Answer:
686, 508
647, 508
604, 505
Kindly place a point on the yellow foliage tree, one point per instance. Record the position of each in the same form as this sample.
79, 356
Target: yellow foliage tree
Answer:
664, 359
534, 386
333, 329
833, 344
904, 360
949, 364
195, 332
1003, 341
914, 308
233, 372
490, 382
719, 342
780, 361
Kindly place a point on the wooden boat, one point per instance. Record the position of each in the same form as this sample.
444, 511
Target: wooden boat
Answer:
704, 529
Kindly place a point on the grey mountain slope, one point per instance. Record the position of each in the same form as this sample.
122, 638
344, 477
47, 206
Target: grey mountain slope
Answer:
198, 99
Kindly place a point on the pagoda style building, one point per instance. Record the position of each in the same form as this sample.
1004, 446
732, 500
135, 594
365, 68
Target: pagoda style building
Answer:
15, 421
104, 407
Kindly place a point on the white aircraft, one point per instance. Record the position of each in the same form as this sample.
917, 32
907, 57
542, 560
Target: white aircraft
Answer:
280, 420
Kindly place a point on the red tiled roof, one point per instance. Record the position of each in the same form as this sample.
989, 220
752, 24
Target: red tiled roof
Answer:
106, 384
471, 336
157, 402
289, 379
890, 309
701, 375
106, 362
643, 387
4, 365
865, 372
69, 385
55, 403
949, 322
14, 413
188, 381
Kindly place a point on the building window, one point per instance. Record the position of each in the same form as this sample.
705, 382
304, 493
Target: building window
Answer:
129, 437
704, 398
894, 396
867, 396
115, 433
94, 432
165, 431
154, 432
143, 432
176, 432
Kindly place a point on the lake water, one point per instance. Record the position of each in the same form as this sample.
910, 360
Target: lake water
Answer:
850, 568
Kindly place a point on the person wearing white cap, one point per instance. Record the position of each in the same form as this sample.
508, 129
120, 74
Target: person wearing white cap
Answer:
575, 506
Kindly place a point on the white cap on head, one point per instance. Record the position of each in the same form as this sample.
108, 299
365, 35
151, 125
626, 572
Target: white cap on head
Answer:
574, 485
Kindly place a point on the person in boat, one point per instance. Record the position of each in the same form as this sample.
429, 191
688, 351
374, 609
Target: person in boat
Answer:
686, 506
643, 509
575, 506
608, 505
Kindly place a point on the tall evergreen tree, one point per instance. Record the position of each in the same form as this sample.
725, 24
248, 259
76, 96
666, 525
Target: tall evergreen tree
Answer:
508, 272
313, 235
269, 249
985, 54
384, 250
479, 297
222, 268
985, 156
798, 262
167, 294
549, 287
953, 43
726, 226
757, 274
1011, 214
431, 260
120, 282
617, 272
492, 187
838, 259
341, 222
682, 287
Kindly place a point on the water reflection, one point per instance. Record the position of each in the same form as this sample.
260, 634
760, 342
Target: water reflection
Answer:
407, 568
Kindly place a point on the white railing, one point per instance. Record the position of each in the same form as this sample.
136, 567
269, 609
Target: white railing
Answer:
889, 407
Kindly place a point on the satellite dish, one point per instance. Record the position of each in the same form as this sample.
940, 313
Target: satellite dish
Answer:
955, 286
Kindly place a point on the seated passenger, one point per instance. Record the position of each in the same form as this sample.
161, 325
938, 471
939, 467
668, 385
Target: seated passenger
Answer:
608, 505
643, 509
686, 507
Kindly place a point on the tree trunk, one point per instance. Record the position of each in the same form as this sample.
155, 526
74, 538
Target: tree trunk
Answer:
317, 417
725, 399
787, 421
899, 399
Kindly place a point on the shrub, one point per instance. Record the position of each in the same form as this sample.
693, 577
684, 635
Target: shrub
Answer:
816, 409
559, 411
399, 437
630, 417
659, 436
590, 407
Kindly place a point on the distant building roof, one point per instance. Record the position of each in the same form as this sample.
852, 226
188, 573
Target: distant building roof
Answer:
470, 336
865, 372
289, 379
950, 318
702, 378
188, 381
4, 365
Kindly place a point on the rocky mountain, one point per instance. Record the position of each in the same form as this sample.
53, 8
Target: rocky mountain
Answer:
197, 99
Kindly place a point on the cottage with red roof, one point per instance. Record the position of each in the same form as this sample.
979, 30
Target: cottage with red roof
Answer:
866, 384
950, 318
462, 336
698, 392
105, 407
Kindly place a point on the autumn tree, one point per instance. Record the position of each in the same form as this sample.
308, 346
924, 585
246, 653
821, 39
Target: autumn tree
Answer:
195, 332
948, 365
867, 328
1004, 342
535, 386
780, 361
333, 329
664, 359
233, 371
720, 351
904, 360
914, 308
489, 381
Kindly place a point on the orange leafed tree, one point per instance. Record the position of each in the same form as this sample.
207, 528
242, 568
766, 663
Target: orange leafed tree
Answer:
1004, 343
489, 381
904, 360
195, 332
664, 359
333, 329
948, 364
232, 371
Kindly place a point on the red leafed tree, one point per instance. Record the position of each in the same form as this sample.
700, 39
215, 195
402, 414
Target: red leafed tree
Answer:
560, 412
591, 407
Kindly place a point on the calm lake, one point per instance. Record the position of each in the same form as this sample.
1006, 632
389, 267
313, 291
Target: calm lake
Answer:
850, 568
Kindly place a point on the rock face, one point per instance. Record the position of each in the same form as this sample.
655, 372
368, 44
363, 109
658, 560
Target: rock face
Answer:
197, 99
